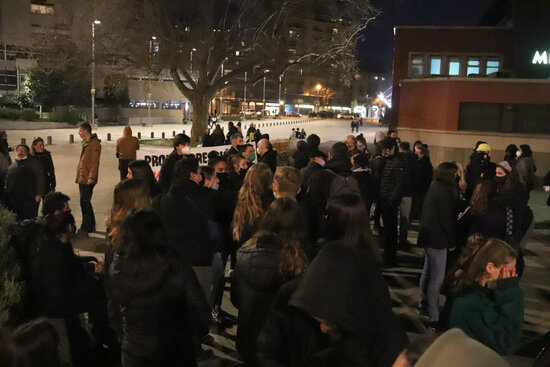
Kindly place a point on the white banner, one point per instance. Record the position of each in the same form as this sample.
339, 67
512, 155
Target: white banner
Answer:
155, 156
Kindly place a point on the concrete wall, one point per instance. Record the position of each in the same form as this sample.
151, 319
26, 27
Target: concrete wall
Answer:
434, 103
458, 145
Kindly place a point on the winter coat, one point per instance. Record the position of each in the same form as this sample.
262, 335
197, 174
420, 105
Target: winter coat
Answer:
167, 170
338, 287
391, 182
57, 278
187, 211
493, 316
409, 177
217, 137
256, 280
162, 307
45, 159
207, 140
526, 171
127, 145
301, 159
269, 158
307, 172
367, 185
37, 181
477, 169
423, 175
438, 225
231, 151
88, 165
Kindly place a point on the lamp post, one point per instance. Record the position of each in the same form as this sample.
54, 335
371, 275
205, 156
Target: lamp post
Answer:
263, 98
280, 104
92, 91
318, 88
244, 103
191, 62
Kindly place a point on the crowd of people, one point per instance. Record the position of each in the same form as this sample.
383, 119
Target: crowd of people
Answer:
306, 266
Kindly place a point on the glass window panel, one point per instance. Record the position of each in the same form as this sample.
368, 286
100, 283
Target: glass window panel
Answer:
454, 66
417, 65
473, 66
493, 66
435, 66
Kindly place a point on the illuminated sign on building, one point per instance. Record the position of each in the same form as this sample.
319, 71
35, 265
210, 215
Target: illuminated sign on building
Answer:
541, 58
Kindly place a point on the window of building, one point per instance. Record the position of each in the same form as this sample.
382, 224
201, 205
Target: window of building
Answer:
41, 8
171, 105
492, 66
142, 103
435, 65
417, 65
473, 66
454, 66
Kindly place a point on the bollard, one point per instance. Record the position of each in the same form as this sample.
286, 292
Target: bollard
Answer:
139, 135
23, 141
71, 138
108, 136
173, 133
163, 135
49, 140
152, 134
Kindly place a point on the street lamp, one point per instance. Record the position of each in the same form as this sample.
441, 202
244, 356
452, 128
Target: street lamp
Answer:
263, 98
191, 62
318, 88
93, 70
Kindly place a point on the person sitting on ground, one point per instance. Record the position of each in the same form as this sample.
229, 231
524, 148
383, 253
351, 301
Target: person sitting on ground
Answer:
267, 155
181, 148
286, 182
157, 293
271, 257
484, 299
301, 155
141, 170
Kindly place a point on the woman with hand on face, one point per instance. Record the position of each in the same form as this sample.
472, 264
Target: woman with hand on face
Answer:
485, 299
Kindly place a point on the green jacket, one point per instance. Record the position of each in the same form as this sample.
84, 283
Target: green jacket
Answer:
493, 316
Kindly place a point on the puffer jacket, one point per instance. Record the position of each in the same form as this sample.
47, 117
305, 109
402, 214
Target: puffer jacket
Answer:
88, 165
391, 182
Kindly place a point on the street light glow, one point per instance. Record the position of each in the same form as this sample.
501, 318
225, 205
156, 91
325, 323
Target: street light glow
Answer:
318, 87
97, 21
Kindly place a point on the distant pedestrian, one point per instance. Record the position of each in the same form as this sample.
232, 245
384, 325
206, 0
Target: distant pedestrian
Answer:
181, 148
43, 156
354, 126
87, 174
126, 148
302, 134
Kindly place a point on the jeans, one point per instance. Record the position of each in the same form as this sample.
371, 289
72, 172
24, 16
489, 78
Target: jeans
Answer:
123, 168
88, 217
431, 280
389, 216
404, 213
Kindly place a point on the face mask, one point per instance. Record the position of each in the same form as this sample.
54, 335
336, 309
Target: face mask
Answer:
500, 180
251, 157
215, 186
186, 150
518, 154
360, 146
323, 163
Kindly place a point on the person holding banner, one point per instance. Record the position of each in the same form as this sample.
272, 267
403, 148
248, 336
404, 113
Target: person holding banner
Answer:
181, 148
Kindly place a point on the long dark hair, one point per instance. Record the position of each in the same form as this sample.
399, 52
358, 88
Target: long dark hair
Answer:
510, 152
141, 239
141, 170
471, 266
445, 174
482, 197
285, 219
348, 222
526, 150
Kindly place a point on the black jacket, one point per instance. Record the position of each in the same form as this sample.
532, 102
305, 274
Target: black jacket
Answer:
391, 182
301, 159
438, 225
231, 151
163, 307
269, 158
207, 140
423, 175
188, 211
218, 138
45, 159
477, 169
167, 170
409, 177
307, 172
344, 287
367, 185
256, 280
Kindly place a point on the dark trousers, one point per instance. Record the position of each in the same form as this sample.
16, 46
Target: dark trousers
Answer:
389, 216
123, 168
88, 218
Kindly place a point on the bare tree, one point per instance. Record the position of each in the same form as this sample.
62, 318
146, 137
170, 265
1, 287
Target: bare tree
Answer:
208, 45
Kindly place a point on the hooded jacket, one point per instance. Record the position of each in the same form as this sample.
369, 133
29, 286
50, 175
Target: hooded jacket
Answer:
256, 280
127, 145
88, 165
163, 307
45, 159
344, 287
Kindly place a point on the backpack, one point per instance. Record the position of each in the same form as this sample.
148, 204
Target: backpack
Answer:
343, 185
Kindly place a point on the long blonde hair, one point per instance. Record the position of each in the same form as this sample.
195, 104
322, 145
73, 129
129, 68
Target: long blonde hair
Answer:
128, 195
250, 206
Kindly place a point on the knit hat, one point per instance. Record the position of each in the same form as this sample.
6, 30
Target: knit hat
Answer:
506, 166
483, 148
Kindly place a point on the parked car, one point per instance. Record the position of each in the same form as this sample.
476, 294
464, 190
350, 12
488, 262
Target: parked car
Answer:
251, 113
293, 114
345, 116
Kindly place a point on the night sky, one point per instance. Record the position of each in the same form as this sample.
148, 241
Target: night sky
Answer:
376, 51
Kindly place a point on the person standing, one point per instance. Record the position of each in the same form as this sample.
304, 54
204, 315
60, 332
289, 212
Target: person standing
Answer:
87, 173
525, 166
423, 178
181, 148
391, 192
409, 160
266, 154
45, 158
126, 151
